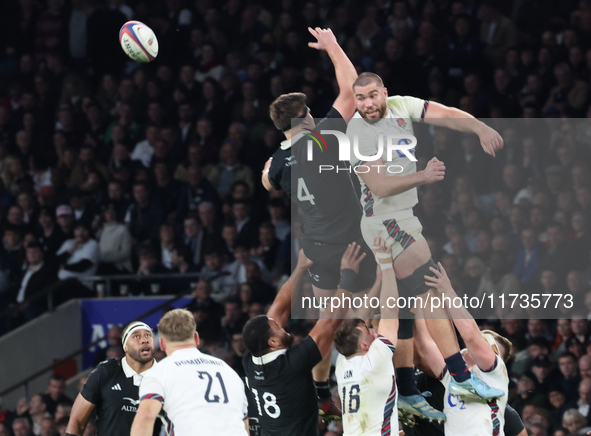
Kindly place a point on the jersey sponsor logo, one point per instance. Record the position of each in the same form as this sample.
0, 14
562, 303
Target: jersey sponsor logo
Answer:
289, 161
132, 401
130, 408
116, 387
258, 375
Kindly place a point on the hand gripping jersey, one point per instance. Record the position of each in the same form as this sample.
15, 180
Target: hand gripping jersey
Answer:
367, 387
480, 417
200, 394
402, 111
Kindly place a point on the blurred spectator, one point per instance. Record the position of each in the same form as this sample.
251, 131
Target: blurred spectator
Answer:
113, 339
144, 215
56, 393
79, 257
115, 244
21, 427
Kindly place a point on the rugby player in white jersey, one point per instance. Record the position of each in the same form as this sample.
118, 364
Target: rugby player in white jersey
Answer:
485, 356
364, 369
200, 394
388, 199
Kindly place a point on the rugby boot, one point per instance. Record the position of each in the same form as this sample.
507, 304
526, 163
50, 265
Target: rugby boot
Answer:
474, 387
418, 406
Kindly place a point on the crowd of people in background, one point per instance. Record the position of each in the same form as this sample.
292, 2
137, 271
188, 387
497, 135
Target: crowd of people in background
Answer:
112, 167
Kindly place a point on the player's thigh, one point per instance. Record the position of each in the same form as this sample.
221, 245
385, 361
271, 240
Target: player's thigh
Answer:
404, 237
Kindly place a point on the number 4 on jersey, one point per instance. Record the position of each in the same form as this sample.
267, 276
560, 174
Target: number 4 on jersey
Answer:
303, 193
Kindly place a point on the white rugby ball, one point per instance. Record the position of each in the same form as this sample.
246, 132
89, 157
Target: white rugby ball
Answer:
138, 41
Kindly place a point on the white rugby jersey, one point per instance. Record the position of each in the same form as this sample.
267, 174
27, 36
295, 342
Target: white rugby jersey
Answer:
200, 394
481, 417
367, 387
402, 110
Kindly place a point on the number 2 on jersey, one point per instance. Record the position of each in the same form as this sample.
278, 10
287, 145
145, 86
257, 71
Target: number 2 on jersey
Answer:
354, 401
216, 398
303, 193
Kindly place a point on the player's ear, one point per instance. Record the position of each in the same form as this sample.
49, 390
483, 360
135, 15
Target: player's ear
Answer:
385, 92
197, 339
162, 344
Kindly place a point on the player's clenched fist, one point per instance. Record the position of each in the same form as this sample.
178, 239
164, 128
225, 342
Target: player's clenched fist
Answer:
434, 171
325, 38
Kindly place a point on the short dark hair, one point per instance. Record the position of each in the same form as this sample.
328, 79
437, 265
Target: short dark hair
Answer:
346, 338
367, 78
285, 108
256, 334
184, 251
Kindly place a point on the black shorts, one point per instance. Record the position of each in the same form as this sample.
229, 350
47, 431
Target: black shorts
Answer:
326, 271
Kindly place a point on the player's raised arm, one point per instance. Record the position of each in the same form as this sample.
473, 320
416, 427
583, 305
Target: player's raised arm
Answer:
381, 185
388, 325
427, 356
479, 348
344, 69
444, 116
281, 307
147, 412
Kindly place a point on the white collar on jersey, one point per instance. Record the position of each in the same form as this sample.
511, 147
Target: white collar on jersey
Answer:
129, 371
286, 145
269, 357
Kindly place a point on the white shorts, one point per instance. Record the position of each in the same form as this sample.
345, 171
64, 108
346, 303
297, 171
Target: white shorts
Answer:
399, 234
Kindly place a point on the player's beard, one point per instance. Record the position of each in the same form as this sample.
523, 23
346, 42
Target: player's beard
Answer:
381, 112
138, 357
287, 340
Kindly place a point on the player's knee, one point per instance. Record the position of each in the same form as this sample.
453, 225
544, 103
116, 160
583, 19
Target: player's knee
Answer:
414, 284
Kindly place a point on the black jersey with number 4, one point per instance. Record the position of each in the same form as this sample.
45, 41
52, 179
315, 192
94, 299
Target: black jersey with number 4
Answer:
116, 398
283, 391
327, 197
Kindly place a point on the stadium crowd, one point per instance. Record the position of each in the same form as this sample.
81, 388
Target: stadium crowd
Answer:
112, 167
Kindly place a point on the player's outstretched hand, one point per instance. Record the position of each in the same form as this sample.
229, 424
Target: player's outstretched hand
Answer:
490, 140
325, 38
351, 257
434, 171
440, 281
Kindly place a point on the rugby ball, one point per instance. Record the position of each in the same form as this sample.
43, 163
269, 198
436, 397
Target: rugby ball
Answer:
138, 41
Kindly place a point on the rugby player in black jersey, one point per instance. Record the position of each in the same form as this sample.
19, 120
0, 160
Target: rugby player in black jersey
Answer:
278, 375
329, 205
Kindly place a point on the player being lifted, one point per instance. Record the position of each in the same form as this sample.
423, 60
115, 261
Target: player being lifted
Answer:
485, 356
329, 203
364, 370
279, 376
387, 201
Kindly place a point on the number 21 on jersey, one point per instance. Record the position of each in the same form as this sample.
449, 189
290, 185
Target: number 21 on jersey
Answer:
303, 192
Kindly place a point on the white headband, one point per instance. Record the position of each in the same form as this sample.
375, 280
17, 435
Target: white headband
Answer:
138, 325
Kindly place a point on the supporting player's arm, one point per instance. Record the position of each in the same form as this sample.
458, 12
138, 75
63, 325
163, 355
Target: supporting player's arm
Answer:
456, 119
80, 415
147, 412
427, 356
344, 69
281, 307
247, 426
380, 184
388, 325
480, 350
